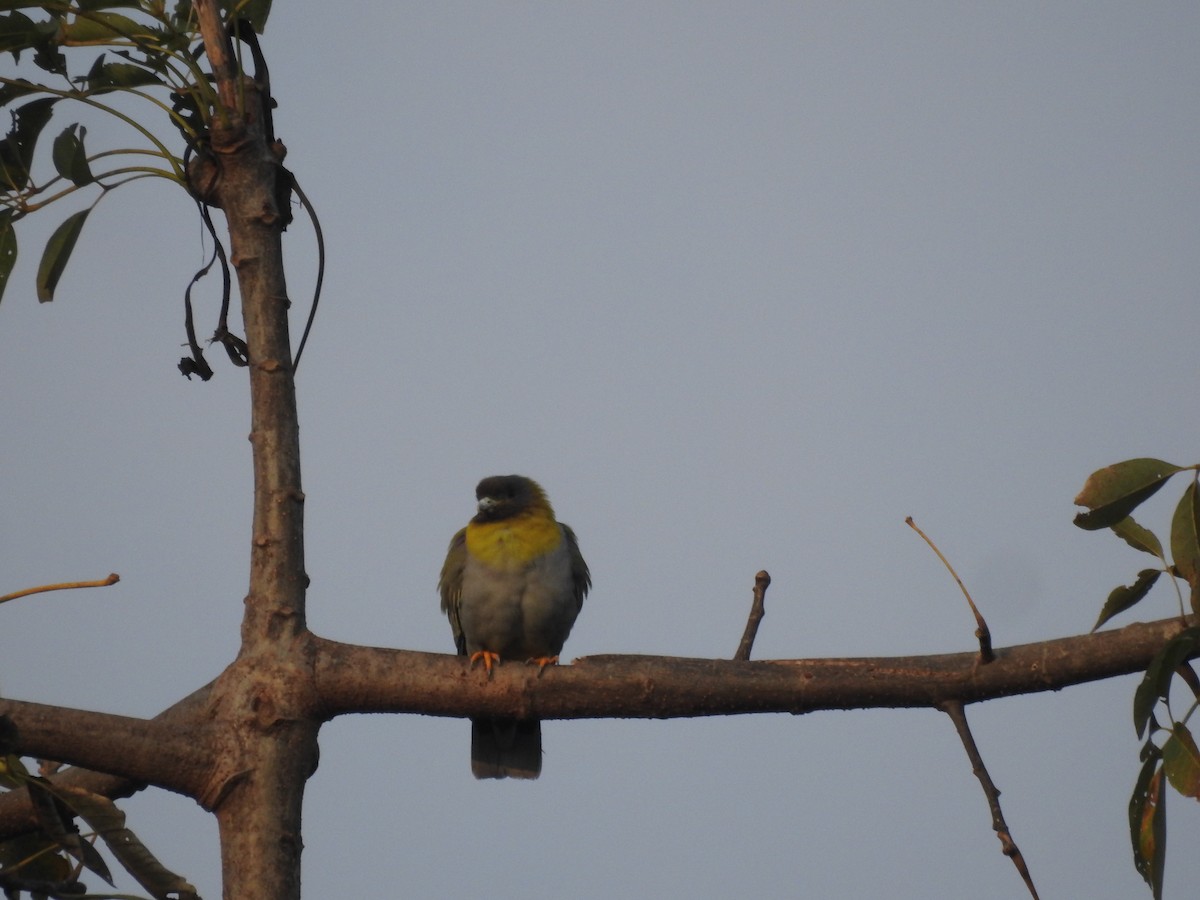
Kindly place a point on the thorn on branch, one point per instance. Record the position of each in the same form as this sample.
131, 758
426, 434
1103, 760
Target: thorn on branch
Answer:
762, 581
64, 586
986, 655
954, 709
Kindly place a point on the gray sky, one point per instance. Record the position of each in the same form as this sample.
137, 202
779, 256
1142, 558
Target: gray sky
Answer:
743, 286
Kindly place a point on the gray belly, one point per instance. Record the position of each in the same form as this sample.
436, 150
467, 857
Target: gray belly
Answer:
519, 615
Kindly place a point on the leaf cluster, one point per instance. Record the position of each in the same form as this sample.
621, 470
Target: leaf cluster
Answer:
149, 51
1111, 495
50, 860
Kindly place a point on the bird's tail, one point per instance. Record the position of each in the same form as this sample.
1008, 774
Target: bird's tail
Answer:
506, 748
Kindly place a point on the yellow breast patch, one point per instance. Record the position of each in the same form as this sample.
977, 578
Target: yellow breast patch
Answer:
512, 543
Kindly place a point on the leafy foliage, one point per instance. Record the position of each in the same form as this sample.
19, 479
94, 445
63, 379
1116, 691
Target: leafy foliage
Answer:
152, 52
48, 860
155, 63
149, 51
1110, 495
51, 859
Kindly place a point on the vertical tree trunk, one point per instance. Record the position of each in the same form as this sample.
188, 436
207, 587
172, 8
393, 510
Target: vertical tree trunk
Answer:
263, 699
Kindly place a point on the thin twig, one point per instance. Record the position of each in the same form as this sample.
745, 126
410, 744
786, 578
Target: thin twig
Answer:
981, 630
312, 310
954, 709
219, 51
65, 586
762, 581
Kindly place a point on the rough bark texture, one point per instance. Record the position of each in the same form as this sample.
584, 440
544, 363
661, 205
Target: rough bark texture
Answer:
165, 754
367, 679
259, 704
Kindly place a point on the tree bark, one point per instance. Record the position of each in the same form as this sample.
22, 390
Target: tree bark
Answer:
260, 703
169, 755
367, 679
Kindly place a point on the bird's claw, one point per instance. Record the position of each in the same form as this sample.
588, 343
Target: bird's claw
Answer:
488, 658
541, 662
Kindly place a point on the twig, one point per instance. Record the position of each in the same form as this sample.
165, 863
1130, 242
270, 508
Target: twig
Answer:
954, 709
312, 310
762, 581
65, 586
219, 52
981, 630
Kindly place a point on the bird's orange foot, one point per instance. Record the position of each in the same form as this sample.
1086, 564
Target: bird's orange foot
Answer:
542, 661
488, 658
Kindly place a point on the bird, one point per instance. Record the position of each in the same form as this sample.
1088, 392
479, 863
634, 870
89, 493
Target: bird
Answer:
512, 586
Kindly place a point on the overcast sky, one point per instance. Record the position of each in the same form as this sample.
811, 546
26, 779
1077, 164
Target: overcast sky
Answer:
742, 285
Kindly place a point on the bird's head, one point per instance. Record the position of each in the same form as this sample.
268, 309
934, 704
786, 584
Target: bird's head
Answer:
505, 496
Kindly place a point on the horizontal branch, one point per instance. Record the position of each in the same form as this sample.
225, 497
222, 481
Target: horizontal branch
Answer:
366, 679
16, 814
172, 750
166, 754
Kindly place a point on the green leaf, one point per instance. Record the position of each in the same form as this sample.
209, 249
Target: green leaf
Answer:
6, 5
56, 821
18, 32
254, 11
8, 250
1115, 491
18, 87
57, 252
1148, 825
1156, 683
92, 5
1124, 596
13, 773
116, 76
1181, 761
16, 150
1138, 538
34, 856
1185, 544
70, 159
103, 28
107, 821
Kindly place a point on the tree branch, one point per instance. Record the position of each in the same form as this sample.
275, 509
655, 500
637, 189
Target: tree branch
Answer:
63, 586
367, 679
330, 678
762, 581
260, 703
954, 709
17, 814
353, 679
981, 629
165, 754
219, 52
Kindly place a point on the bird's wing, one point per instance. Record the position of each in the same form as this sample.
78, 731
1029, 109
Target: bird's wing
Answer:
581, 578
450, 586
